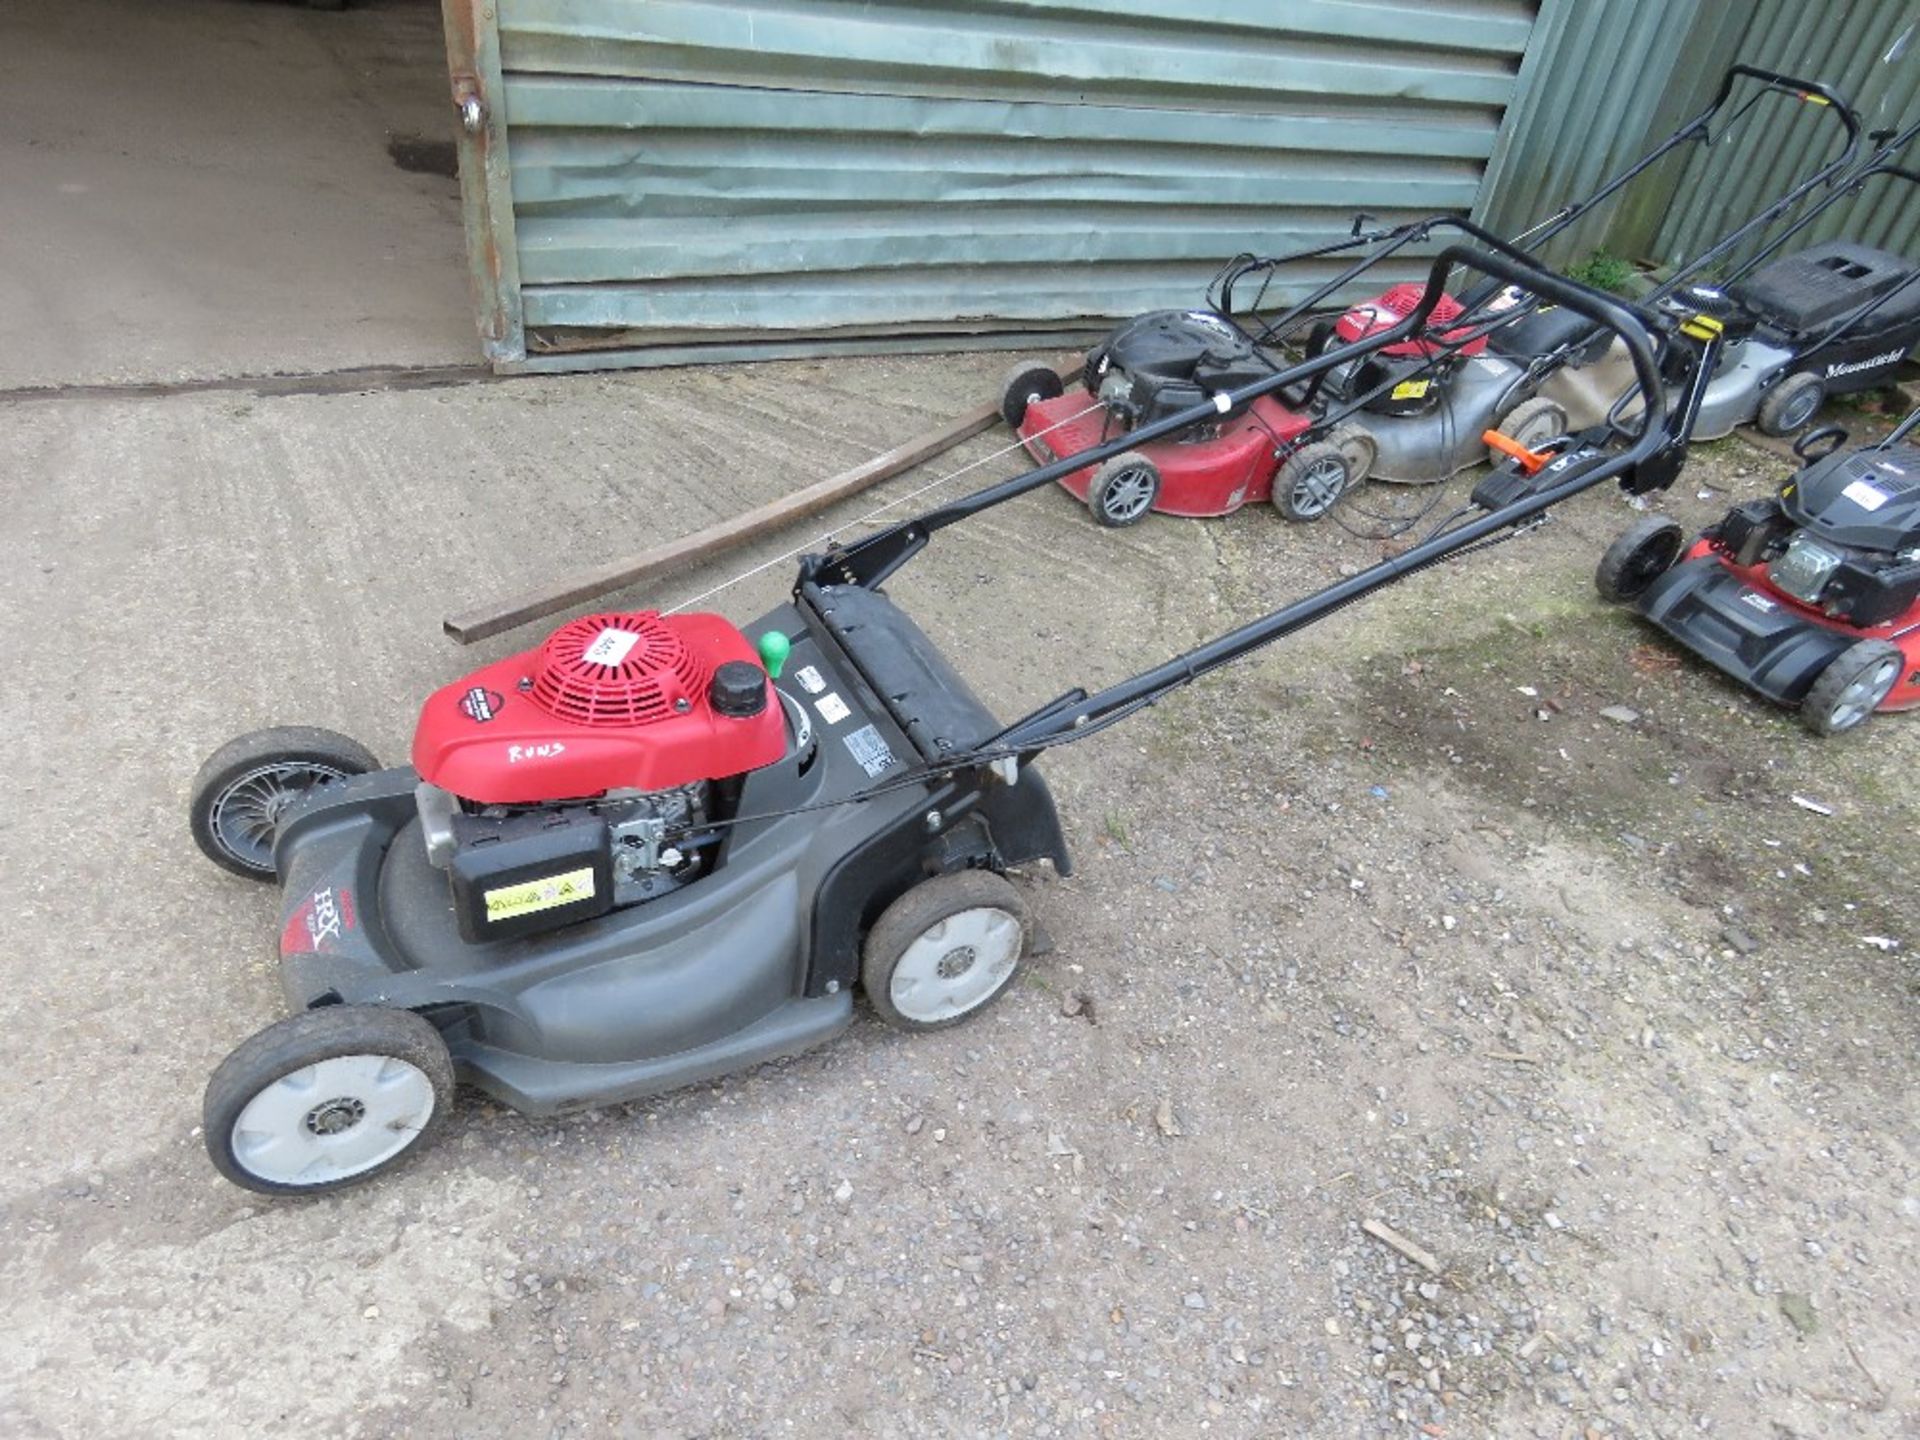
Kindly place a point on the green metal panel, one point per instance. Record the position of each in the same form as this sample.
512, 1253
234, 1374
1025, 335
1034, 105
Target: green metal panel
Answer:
693, 172
1606, 79
1865, 49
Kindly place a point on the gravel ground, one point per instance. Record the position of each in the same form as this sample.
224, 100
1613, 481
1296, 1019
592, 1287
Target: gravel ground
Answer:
1430, 1046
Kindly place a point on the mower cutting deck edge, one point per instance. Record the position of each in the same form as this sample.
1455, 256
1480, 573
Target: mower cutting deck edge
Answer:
1810, 598
657, 849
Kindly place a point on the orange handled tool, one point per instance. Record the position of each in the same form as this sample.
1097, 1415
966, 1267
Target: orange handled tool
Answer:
1530, 461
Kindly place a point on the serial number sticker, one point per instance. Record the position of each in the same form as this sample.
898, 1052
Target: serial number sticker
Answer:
1411, 389
866, 746
810, 680
1867, 497
534, 895
832, 708
610, 647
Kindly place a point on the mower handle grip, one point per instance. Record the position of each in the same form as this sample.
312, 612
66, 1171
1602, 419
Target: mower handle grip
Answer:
1812, 91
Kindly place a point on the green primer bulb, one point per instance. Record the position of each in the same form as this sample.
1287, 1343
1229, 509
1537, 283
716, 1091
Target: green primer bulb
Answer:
774, 649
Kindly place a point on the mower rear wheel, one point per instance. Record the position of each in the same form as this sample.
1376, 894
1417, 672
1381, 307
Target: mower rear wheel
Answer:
327, 1098
1852, 687
1028, 381
945, 950
240, 793
1531, 423
1313, 479
1123, 490
1792, 404
1642, 554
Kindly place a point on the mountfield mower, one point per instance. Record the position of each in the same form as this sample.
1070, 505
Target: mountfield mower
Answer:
657, 849
1811, 598
1834, 319
1412, 410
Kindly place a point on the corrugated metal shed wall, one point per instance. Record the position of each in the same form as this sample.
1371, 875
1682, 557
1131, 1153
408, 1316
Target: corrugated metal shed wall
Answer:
691, 170
1605, 79
1867, 50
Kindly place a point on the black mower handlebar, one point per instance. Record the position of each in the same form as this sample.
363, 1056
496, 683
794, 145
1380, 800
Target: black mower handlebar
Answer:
870, 561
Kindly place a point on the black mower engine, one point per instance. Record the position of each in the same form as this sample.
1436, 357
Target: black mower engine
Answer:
1843, 535
1167, 361
1700, 312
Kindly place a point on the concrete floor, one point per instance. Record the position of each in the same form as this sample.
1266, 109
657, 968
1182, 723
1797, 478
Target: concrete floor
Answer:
203, 188
984, 1231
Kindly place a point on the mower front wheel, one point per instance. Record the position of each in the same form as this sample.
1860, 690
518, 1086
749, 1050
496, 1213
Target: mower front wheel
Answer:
1852, 687
1028, 381
1793, 403
1641, 555
1123, 490
327, 1098
1313, 479
945, 950
238, 796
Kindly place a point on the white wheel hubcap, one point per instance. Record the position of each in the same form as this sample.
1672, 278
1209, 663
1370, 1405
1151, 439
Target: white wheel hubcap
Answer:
333, 1120
956, 965
1864, 695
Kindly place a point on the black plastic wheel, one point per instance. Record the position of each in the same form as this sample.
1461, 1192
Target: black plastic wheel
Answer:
1123, 490
1642, 554
1852, 687
248, 782
1028, 381
1793, 403
1314, 478
945, 950
326, 1099
1093, 369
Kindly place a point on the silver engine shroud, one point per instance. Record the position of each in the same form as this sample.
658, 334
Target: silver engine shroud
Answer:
1745, 373
1421, 449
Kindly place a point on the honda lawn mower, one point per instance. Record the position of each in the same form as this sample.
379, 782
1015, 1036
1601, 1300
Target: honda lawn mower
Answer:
1412, 410
1834, 319
657, 849
1811, 598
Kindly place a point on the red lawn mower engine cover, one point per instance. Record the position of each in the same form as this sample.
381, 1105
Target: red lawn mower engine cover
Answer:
639, 701
1417, 376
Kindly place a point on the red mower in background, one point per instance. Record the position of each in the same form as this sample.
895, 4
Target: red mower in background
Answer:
1811, 597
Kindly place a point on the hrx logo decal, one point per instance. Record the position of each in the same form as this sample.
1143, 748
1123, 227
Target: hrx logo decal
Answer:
318, 922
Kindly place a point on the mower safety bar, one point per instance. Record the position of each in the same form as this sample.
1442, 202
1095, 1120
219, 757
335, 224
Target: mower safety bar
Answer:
870, 561
1811, 90
1575, 472
1827, 174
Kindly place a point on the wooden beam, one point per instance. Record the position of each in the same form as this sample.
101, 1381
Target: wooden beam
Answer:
485, 621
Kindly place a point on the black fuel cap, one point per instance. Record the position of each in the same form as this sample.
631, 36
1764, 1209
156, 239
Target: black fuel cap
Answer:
739, 688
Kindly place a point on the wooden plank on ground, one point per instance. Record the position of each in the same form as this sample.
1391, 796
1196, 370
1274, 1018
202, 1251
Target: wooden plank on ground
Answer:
484, 621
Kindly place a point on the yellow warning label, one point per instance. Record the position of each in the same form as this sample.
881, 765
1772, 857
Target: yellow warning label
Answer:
1815, 99
1702, 327
531, 895
1411, 389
